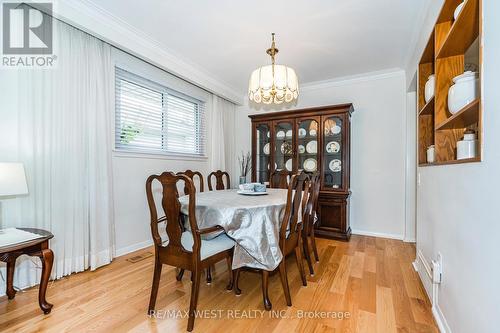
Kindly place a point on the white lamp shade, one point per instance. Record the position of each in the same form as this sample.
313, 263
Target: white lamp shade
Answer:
12, 179
284, 84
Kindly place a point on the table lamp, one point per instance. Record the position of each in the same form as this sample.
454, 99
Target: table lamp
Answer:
12, 182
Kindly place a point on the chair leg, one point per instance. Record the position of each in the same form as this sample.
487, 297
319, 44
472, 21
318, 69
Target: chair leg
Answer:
284, 282
209, 274
313, 242
179, 275
307, 253
300, 263
265, 290
195, 291
154, 286
229, 261
236, 287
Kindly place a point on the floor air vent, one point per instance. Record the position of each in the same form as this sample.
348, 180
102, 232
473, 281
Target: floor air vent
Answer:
139, 257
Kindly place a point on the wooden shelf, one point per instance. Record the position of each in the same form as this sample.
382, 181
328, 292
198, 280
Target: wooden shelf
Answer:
428, 108
467, 116
463, 33
467, 160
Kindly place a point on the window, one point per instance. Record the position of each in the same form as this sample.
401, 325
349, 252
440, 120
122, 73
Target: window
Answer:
151, 118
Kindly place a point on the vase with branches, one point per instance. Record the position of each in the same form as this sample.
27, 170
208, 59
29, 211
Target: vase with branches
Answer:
245, 164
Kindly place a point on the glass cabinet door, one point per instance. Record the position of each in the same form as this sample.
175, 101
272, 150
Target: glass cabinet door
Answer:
333, 147
307, 145
263, 153
283, 147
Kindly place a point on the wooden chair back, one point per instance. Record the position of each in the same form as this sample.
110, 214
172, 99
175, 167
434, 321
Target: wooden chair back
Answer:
309, 207
306, 202
192, 174
173, 217
219, 180
294, 201
280, 179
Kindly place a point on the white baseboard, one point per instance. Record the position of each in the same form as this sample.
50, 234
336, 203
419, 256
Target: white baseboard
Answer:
440, 319
377, 234
415, 265
134, 247
410, 240
423, 269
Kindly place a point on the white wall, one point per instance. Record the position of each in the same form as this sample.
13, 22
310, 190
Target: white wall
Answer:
378, 145
131, 208
457, 213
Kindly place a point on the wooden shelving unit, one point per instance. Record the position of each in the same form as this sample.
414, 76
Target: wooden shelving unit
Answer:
445, 57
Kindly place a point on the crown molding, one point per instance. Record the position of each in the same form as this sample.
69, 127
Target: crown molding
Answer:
89, 17
351, 79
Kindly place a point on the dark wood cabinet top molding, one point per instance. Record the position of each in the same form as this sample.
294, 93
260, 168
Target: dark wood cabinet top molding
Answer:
316, 111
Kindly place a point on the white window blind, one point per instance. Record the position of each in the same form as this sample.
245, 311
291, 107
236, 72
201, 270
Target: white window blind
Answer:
151, 118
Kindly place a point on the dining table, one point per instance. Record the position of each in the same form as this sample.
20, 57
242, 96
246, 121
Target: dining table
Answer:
252, 221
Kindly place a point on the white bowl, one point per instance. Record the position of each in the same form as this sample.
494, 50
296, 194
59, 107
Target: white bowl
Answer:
430, 87
464, 91
458, 10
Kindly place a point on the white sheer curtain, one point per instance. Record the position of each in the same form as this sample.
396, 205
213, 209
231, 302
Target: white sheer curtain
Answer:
222, 137
65, 143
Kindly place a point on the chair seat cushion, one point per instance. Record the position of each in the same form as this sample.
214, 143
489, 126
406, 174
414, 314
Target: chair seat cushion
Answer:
209, 248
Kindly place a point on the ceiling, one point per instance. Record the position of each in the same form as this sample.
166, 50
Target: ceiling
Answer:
320, 39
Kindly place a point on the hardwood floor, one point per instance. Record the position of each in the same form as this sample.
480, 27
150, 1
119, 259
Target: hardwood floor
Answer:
369, 281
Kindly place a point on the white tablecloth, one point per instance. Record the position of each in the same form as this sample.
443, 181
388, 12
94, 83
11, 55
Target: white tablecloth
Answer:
252, 221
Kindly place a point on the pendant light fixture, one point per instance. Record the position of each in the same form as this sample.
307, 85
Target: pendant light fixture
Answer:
273, 84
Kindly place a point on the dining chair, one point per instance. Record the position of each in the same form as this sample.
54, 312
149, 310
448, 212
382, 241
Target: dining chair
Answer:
309, 219
290, 240
219, 180
192, 174
280, 178
184, 249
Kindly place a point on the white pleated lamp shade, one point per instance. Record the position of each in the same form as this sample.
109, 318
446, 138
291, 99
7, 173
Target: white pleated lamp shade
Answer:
284, 81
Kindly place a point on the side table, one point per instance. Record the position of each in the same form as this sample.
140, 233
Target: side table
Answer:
36, 248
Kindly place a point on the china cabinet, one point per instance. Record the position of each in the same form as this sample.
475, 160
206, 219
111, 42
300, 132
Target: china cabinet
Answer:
310, 140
